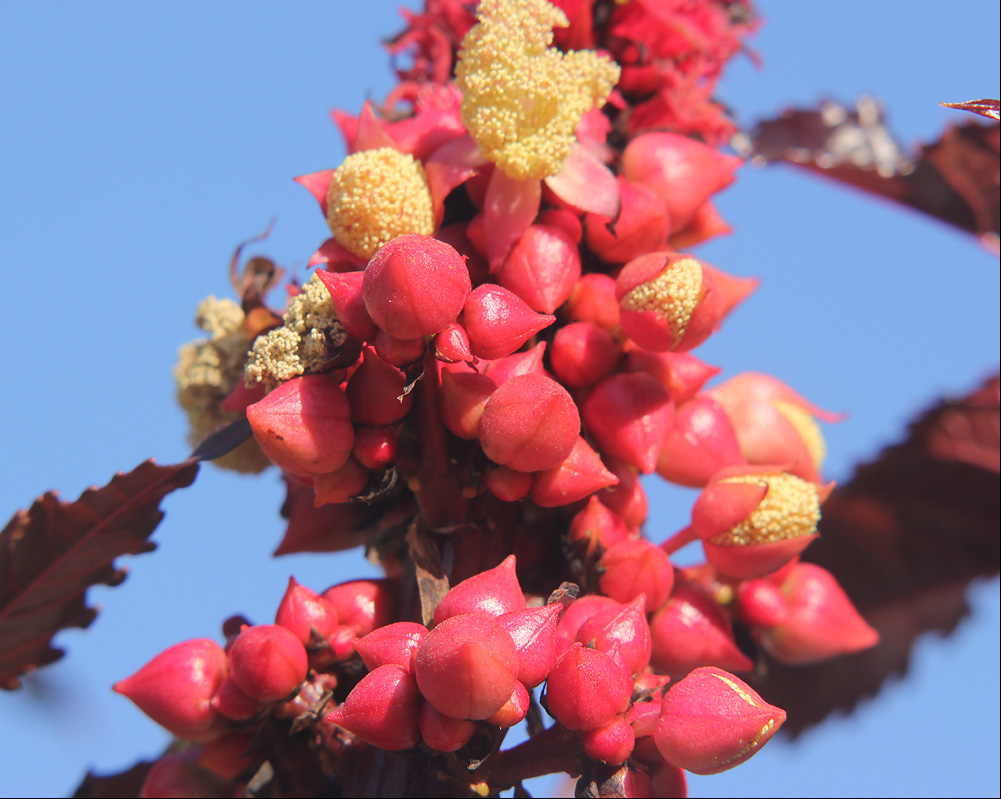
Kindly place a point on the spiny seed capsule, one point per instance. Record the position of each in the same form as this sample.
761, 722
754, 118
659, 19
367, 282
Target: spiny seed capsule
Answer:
375, 196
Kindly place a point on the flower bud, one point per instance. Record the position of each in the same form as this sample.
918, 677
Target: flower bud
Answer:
754, 523
700, 443
308, 615
375, 447
711, 721
596, 528
629, 416
341, 484
580, 610
641, 227
625, 625
395, 643
542, 268
582, 354
822, 622
500, 370
593, 300
681, 373
375, 391
179, 774
632, 568
493, 592
627, 497
267, 662
506, 484
364, 604
667, 302
233, 703
533, 631
587, 689
706, 224
382, 709
498, 321
398, 352
304, 425
451, 345
529, 423
346, 293
513, 710
230, 755
176, 687
443, 733
467, 667
761, 603
581, 474
611, 744
691, 630
681, 171
732, 289
462, 399
415, 286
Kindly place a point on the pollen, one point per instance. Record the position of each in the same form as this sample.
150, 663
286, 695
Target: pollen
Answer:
310, 329
672, 295
522, 98
807, 428
790, 509
375, 196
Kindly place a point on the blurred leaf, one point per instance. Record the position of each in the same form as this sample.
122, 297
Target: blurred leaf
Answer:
955, 179
52, 553
986, 108
123, 785
905, 537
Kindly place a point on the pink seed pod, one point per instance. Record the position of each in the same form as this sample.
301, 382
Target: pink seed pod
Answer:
586, 689
822, 623
506, 484
711, 721
627, 497
529, 423
375, 447
342, 484
691, 630
304, 425
542, 268
514, 710
443, 733
596, 528
681, 373
642, 226
382, 709
415, 286
629, 416
451, 345
582, 354
398, 352
467, 667
625, 626
761, 603
611, 744
393, 644
667, 302
699, 443
681, 171
364, 604
593, 300
308, 615
462, 399
346, 293
267, 662
493, 592
580, 475
582, 609
176, 687
233, 703
375, 391
533, 631
498, 321
632, 568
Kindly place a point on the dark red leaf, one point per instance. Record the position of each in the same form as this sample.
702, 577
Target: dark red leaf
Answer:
955, 179
52, 553
904, 538
986, 108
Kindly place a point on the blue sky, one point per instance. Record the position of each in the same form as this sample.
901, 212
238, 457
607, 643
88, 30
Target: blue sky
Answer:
141, 142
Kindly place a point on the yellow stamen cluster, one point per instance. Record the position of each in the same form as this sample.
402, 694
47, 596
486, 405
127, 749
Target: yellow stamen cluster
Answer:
790, 509
522, 99
807, 428
207, 371
672, 295
375, 196
300, 345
